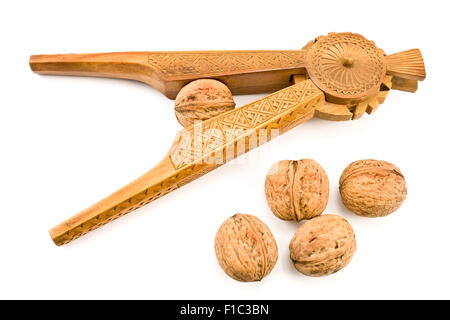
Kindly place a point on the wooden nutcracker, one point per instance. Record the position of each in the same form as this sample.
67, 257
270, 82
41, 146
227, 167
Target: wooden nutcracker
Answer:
340, 76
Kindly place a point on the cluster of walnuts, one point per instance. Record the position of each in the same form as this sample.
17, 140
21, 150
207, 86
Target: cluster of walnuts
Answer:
299, 190
295, 190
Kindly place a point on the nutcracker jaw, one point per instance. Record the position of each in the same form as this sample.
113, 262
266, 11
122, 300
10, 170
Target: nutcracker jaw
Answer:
244, 72
403, 71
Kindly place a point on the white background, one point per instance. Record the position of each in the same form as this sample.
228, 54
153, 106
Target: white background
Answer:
66, 142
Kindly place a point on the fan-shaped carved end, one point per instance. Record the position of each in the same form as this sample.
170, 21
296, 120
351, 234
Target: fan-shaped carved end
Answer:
407, 65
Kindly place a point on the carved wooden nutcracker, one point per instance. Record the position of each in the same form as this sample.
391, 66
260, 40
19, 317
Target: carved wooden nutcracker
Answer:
336, 77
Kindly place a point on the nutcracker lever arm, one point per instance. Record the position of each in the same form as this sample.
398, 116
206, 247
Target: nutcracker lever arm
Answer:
244, 72
199, 149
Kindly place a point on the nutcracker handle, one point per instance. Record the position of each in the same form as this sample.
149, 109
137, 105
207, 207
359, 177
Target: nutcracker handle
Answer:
244, 72
199, 149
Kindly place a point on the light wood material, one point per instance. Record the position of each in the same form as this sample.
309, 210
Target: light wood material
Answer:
244, 72
198, 150
407, 65
402, 84
201, 100
346, 66
351, 111
247, 72
336, 77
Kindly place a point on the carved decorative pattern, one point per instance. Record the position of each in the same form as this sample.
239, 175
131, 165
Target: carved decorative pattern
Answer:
135, 202
280, 110
212, 63
346, 65
407, 64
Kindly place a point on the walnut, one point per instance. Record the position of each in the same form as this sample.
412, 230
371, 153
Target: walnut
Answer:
323, 245
245, 248
297, 190
202, 99
372, 188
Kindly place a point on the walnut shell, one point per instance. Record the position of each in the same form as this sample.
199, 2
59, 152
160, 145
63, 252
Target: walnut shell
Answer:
245, 248
202, 99
297, 190
323, 245
372, 188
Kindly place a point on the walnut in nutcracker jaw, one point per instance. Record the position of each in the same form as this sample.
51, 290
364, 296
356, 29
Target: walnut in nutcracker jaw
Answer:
297, 190
201, 100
